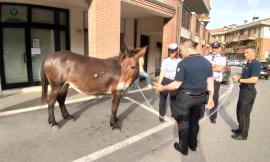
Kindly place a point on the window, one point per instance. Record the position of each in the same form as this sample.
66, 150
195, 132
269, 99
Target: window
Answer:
198, 25
186, 18
42, 16
13, 14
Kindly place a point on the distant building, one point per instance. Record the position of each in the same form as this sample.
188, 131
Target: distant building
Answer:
237, 38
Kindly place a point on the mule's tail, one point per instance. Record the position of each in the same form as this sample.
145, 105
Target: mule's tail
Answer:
44, 84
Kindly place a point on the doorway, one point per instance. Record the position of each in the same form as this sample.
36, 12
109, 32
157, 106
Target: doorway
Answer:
145, 42
28, 33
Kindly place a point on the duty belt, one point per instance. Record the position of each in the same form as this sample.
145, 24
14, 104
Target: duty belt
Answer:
242, 85
194, 94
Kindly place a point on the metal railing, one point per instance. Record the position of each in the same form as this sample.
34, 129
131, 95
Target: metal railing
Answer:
198, 25
186, 18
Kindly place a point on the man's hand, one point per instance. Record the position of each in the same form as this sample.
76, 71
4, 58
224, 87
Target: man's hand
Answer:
210, 104
236, 78
157, 87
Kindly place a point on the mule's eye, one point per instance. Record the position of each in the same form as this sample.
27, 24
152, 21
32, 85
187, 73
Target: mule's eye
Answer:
133, 67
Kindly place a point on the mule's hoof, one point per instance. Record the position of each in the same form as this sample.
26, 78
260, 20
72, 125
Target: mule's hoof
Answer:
55, 126
116, 130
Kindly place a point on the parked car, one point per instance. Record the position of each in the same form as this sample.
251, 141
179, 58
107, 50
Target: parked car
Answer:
244, 62
237, 62
226, 75
265, 72
231, 62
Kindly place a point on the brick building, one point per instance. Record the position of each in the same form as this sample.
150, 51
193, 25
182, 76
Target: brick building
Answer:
29, 30
236, 38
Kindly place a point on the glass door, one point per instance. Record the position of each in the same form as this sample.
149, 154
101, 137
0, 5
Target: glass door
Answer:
44, 42
14, 56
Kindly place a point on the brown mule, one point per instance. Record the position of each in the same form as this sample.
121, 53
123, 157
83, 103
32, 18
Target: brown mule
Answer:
87, 75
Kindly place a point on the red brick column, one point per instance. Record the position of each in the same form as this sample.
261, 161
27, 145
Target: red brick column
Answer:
169, 34
104, 28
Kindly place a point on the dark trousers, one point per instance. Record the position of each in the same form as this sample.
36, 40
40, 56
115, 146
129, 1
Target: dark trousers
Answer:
188, 113
245, 103
215, 98
163, 98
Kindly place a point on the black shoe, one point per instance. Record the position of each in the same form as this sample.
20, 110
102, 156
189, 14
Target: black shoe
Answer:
178, 148
192, 148
213, 121
235, 131
238, 137
161, 118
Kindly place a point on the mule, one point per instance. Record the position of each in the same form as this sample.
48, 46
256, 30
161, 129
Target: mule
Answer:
92, 76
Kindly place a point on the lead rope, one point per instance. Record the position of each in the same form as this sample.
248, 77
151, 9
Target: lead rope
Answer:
219, 106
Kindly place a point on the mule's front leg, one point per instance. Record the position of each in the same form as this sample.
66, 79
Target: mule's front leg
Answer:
115, 103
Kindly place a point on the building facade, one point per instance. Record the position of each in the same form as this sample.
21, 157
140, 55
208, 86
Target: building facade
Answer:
30, 30
237, 38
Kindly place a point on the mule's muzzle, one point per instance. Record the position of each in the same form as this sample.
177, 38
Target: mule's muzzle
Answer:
122, 87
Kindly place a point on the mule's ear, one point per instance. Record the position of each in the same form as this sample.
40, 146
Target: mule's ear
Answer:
141, 52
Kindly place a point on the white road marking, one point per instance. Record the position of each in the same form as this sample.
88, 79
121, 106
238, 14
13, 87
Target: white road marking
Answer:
34, 108
40, 107
122, 144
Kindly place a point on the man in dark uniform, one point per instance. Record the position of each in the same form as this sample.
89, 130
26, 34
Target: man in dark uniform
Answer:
193, 76
247, 94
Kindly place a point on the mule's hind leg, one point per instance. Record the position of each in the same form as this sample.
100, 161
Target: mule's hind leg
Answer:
115, 103
51, 103
61, 98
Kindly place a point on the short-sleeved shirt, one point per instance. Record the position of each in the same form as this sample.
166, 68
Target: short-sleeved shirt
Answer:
252, 69
193, 71
219, 60
169, 65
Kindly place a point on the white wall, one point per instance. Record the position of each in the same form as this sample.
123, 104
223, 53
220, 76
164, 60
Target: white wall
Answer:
129, 31
266, 32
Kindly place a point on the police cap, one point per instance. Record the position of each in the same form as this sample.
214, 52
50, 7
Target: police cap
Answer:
216, 45
172, 47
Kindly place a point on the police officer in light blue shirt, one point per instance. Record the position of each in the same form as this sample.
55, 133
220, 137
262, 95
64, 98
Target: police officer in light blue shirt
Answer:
218, 63
167, 74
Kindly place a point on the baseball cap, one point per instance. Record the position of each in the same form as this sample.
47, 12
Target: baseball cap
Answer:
172, 47
215, 45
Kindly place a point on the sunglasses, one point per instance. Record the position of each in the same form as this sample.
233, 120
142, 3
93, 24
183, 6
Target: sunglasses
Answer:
172, 51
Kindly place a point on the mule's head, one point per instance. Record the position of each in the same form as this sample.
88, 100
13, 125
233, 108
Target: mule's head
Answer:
129, 62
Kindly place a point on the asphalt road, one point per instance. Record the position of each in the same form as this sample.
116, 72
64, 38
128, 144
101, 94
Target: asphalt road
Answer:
28, 137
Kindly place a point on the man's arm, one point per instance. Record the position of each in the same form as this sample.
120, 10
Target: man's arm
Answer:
217, 68
169, 87
161, 75
251, 80
210, 87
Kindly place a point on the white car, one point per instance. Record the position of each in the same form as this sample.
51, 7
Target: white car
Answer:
237, 62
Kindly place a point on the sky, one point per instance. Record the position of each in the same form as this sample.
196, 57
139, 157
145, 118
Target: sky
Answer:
227, 12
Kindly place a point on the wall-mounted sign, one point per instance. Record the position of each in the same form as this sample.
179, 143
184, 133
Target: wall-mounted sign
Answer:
35, 50
35, 43
13, 11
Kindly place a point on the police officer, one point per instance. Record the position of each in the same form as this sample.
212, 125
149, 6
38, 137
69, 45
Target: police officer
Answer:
167, 74
247, 94
218, 63
193, 76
